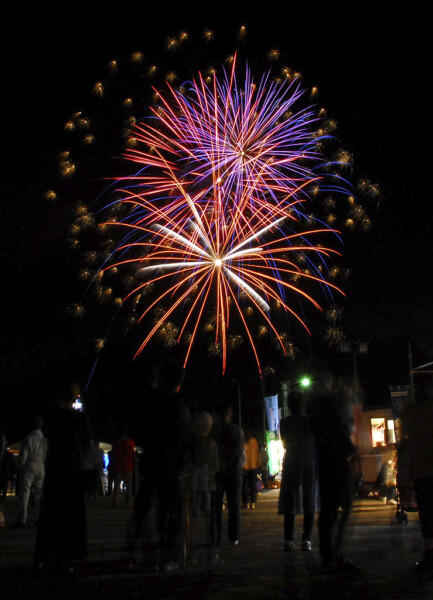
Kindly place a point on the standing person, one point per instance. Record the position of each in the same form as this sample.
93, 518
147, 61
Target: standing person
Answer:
204, 468
167, 430
418, 433
299, 472
31, 471
251, 466
231, 451
62, 526
205, 464
335, 449
123, 466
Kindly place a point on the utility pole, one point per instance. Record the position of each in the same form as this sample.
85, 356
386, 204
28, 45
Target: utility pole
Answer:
354, 348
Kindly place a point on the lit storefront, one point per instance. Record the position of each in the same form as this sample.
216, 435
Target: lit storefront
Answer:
376, 441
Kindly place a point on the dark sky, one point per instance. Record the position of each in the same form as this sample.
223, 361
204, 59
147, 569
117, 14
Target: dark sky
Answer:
371, 72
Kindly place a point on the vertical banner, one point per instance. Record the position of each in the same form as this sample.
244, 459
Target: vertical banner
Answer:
400, 398
272, 415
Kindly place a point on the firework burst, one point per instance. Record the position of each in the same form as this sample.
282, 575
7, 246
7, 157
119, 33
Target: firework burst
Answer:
215, 209
232, 210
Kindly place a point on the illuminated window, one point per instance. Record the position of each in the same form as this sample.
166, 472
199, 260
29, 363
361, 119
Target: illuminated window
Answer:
378, 432
390, 431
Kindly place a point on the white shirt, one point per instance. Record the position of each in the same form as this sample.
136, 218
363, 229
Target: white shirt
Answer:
33, 449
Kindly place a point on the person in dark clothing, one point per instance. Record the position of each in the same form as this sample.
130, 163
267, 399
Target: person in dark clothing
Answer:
62, 526
169, 433
203, 487
335, 449
299, 472
231, 451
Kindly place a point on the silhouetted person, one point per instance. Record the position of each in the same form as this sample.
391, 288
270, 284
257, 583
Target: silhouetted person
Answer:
418, 433
204, 468
299, 472
205, 464
62, 526
331, 430
31, 471
167, 429
231, 451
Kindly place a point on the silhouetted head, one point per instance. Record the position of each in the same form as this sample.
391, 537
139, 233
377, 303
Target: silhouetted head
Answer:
203, 423
37, 423
225, 413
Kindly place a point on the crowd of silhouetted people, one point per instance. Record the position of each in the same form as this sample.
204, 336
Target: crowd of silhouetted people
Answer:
204, 462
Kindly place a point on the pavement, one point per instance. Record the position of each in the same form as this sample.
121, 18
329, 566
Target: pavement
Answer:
384, 550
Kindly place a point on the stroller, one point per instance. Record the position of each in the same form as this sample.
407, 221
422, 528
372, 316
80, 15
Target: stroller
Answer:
406, 500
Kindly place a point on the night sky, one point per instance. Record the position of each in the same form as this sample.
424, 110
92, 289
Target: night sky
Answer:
371, 73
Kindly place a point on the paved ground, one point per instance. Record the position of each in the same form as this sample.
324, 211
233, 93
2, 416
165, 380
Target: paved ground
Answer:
384, 550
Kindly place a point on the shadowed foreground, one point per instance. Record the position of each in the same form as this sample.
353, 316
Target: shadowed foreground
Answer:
257, 568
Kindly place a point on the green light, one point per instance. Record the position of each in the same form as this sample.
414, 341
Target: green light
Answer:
305, 382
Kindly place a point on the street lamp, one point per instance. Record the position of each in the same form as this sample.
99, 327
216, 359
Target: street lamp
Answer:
305, 382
